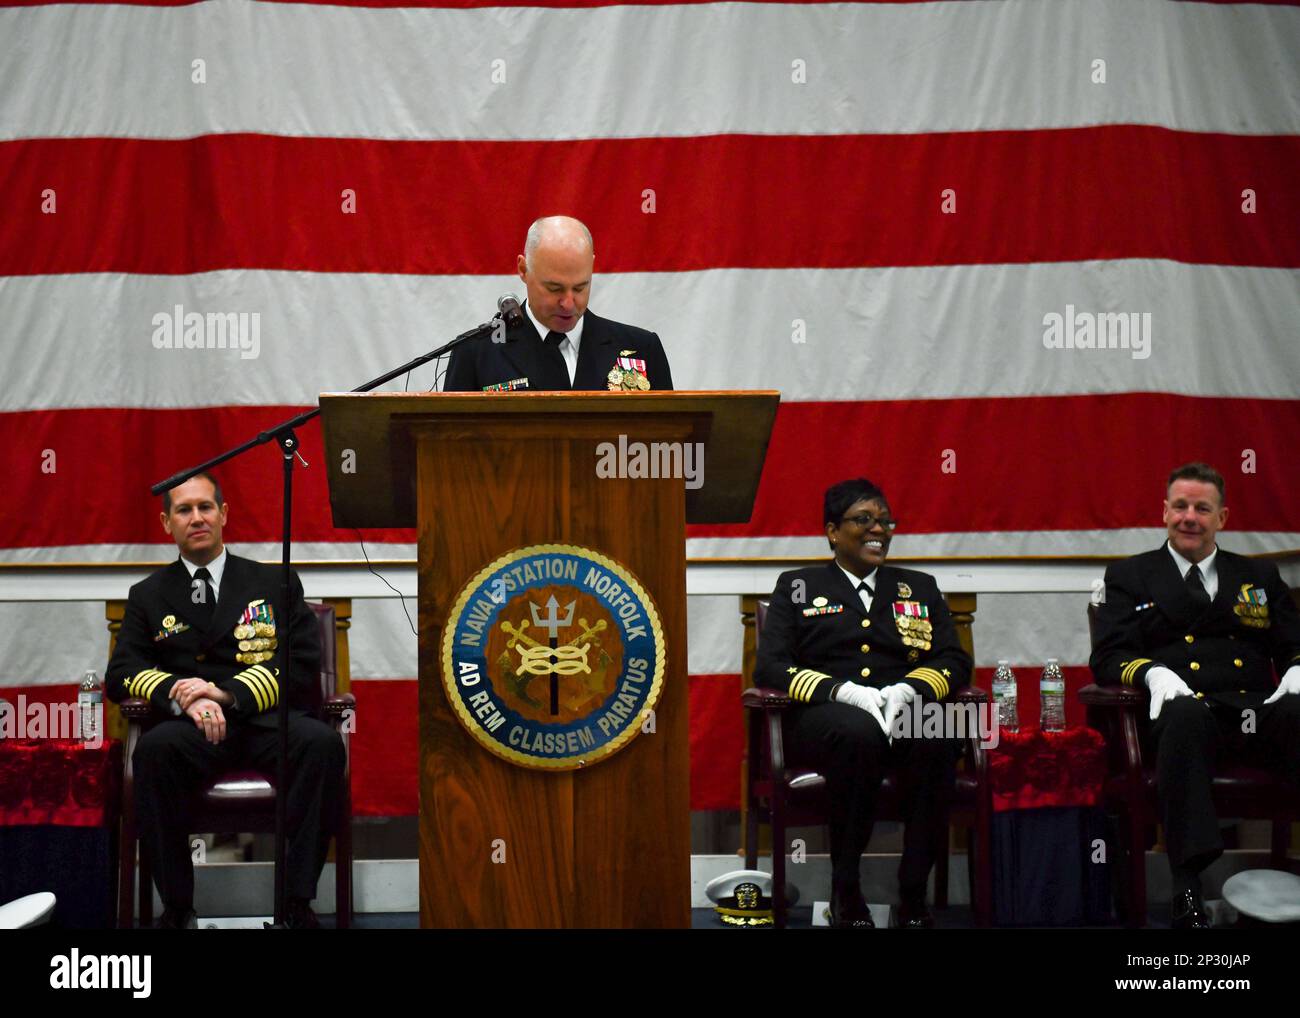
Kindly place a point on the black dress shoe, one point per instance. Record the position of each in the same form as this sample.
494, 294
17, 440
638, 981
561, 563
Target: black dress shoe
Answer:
299, 916
850, 912
914, 916
1188, 912
177, 919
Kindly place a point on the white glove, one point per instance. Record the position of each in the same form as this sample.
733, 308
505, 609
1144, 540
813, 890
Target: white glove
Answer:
1290, 684
1164, 684
897, 697
867, 698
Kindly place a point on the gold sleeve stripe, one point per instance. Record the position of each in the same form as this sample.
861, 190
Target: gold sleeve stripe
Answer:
267, 681
262, 684
804, 683
1129, 669
932, 678
143, 683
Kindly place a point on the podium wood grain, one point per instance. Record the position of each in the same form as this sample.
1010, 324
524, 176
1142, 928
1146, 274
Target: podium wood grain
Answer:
603, 846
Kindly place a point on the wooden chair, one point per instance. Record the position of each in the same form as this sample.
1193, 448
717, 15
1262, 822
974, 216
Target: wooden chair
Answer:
244, 800
791, 797
1121, 714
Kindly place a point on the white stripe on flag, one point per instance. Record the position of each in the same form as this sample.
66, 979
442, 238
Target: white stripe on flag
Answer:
894, 333
81, 70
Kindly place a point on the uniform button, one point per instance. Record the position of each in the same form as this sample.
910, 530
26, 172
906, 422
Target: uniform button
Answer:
200, 657
1190, 638
1196, 666
866, 623
866, 648
866, 672
1237, 661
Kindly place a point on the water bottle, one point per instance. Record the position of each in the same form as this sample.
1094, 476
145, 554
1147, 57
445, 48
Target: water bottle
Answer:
1004, 695
90, 706
1051, 698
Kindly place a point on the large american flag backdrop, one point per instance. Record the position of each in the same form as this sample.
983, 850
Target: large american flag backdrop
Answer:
876, 208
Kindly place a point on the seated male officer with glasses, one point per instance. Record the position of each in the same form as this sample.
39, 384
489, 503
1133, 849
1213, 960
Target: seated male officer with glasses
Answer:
854, 642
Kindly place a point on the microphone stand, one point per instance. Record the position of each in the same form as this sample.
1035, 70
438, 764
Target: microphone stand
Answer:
284, 436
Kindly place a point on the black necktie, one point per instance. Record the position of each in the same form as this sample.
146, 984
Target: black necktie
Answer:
206, 603
1196, 587
864, 585
552, 343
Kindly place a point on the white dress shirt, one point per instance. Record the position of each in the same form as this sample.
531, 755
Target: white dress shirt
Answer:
215, 569
870, 578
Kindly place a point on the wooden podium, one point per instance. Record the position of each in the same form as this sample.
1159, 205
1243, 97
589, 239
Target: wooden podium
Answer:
505, 845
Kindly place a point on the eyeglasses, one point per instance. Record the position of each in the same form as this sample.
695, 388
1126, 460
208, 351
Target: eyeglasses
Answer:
866, 521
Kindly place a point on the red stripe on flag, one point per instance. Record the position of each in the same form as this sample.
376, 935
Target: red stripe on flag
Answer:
131, 205
1030, 463
962, 465
717, 740
386, 748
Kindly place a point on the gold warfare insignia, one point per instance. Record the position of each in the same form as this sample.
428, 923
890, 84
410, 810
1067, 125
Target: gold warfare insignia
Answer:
169, 621
904, 590
552, 655
820, 602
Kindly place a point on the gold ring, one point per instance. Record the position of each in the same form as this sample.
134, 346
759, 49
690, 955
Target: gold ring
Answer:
207, 713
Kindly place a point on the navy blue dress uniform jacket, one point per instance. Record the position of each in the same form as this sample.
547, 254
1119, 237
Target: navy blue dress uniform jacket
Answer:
479, 363
826, 637
163, 639
1226, 651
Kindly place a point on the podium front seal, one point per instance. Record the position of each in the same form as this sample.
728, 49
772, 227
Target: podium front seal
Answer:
553, 657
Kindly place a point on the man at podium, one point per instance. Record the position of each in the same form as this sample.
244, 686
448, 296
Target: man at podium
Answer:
559, 344
856, 642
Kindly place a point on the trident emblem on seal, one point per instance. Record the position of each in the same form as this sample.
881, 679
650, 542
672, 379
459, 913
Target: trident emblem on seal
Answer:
552, 622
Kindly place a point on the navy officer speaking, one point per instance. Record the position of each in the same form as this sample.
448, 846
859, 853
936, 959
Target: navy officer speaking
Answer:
558, 344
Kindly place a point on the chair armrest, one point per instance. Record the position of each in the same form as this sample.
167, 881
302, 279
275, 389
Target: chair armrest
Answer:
1117, 712
135, 709
971, 694
765, 699
336, 705
1113, 697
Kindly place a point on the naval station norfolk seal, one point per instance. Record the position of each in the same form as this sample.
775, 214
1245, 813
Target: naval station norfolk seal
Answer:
552, 655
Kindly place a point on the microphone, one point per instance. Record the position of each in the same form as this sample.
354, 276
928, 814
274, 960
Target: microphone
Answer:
509, 310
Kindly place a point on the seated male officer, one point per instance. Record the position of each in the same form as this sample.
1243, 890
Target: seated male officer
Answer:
855, 641
559, 344
1203, 630
197, 641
